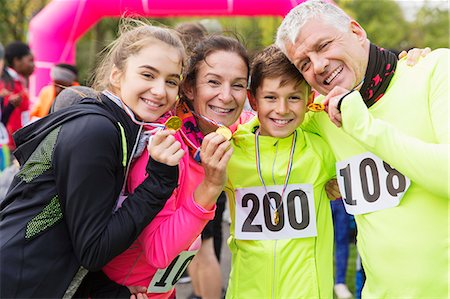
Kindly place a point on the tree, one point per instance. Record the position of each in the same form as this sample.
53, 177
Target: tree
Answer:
431, 28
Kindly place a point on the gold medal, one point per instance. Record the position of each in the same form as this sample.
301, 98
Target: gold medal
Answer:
174, 123
316, 107
225, 132
276, 217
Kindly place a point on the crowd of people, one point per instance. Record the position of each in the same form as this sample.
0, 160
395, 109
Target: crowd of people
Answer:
120, 187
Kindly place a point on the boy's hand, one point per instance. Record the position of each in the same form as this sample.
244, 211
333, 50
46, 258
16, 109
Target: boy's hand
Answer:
414, 55
332, 189
164, 148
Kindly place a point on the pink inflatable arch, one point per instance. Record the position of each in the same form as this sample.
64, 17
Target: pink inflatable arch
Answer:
56, 29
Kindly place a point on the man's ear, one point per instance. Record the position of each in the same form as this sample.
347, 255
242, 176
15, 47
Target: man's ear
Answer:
253, 102
358, 30
115, 77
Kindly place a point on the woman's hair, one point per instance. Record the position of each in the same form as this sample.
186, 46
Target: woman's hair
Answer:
134, 35
298, 16
208, 46
272, 63
191, 34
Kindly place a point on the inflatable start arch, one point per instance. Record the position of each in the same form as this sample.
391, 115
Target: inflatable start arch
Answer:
56, 29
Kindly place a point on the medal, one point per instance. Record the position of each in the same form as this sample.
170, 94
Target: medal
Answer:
276, 217
316, 107
225, 132
174, 123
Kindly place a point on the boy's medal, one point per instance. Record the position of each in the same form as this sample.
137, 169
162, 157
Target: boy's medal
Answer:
276, 217
316, 107
225, 132
174, 123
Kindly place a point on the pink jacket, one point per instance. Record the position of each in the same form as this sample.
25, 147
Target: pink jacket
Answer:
174, 229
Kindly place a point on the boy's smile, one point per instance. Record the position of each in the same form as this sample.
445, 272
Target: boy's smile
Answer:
281, 109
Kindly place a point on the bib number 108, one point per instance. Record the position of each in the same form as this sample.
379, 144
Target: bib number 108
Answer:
369, 184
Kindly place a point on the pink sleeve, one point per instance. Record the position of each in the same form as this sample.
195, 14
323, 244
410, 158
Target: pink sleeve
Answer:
181, 220
165, 238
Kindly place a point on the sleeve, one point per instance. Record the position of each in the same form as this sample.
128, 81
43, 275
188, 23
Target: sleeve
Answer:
7, 111
169, 235
423, 162
36, 109
87, 161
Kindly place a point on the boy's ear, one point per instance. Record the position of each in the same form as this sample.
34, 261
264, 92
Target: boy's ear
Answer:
253, 102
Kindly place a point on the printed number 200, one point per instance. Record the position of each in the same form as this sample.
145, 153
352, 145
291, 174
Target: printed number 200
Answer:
301, 195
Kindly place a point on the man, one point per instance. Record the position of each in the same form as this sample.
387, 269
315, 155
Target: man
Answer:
388, 125
19, 57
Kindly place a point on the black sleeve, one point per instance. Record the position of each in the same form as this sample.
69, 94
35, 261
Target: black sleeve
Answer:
87, 160
6, 113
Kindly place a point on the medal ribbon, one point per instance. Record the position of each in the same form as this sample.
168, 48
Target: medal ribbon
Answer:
288, 170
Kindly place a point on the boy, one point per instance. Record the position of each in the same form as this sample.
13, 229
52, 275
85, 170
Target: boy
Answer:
281, 247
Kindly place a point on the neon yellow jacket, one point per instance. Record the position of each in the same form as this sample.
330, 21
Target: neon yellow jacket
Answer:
405, 249
285, 268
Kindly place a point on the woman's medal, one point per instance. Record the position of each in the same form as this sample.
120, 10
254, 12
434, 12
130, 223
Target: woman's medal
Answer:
225, 132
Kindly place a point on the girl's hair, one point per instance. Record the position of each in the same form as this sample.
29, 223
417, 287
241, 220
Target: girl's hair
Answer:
134, 35
294, 21
208, 46
272, 63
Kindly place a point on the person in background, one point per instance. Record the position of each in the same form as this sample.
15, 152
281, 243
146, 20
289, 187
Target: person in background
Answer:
62, 75
388, 126
57, 221
20, 66
4, 138
341, 224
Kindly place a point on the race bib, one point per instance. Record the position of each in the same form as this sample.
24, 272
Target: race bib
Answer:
165, 279
369, 184
25, 117
254, 217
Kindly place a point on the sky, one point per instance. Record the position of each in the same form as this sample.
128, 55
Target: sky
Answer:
410, 7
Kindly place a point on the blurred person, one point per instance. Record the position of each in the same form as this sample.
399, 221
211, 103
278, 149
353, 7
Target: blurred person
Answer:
4, 138
20, 58
341, 224
57, 221
372, 106
62, 75
15, 112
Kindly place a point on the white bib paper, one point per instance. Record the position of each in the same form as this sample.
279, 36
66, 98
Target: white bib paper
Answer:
254, 219
165, 279
369, 184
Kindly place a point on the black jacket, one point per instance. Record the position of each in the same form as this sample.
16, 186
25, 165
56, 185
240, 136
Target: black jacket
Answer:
58, 213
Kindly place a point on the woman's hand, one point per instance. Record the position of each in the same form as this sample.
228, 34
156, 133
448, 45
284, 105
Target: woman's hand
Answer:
138, 292
164, 148
413, 56
215, 153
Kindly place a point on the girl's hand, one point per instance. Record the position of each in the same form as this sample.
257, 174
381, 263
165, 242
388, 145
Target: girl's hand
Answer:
164, 148
413, 56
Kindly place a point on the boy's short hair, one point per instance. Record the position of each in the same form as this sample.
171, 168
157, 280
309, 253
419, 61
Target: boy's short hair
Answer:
272, 63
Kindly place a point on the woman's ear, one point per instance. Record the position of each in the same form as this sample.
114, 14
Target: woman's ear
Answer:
188, 91
115, 76
252, 100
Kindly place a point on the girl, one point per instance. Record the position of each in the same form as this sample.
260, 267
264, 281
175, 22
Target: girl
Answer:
57, 220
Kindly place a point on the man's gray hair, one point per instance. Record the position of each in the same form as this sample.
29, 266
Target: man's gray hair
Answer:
298, 16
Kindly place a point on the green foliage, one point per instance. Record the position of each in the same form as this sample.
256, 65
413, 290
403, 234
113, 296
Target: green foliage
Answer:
431, 28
